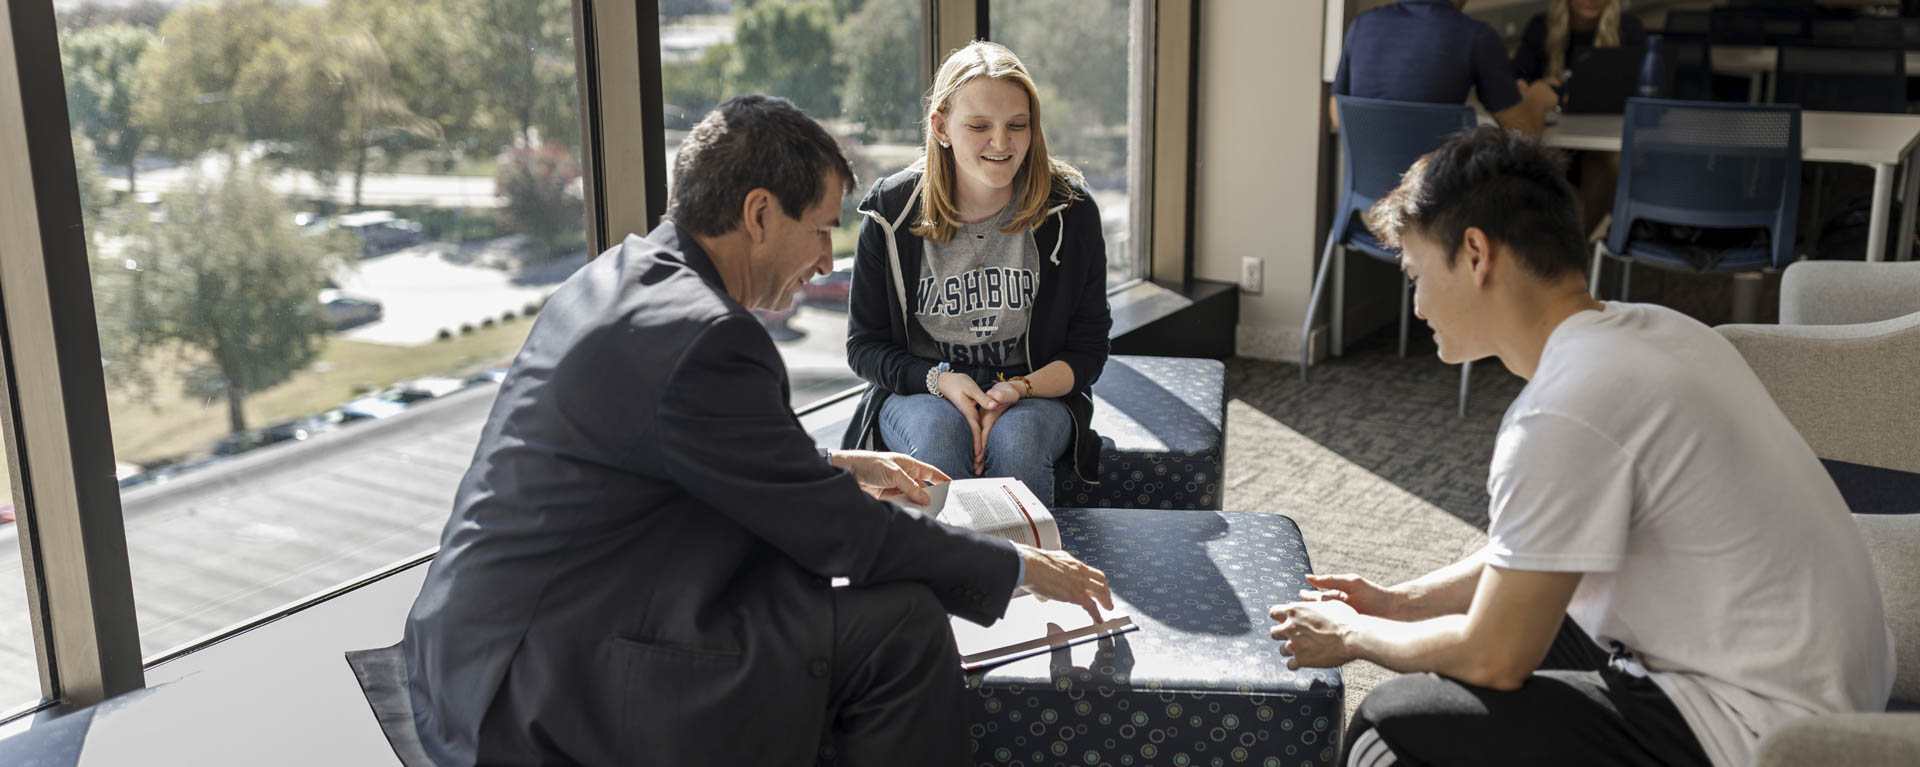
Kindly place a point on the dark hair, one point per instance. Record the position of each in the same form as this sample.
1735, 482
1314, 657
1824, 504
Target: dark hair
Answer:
747, 143
1508, 185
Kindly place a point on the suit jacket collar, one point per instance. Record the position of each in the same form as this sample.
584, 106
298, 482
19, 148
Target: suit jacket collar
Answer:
679, 245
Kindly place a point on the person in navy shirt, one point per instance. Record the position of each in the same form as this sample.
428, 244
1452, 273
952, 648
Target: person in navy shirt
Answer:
1428, 51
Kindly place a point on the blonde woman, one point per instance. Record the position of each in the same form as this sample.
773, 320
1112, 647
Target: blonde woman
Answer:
979, 307
1567, 32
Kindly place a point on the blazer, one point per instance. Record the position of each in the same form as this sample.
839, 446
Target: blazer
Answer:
637, 566
1070, 320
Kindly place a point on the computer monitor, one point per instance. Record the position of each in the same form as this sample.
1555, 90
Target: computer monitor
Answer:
1602, 82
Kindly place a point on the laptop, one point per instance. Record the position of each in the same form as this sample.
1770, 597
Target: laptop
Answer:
1602, 82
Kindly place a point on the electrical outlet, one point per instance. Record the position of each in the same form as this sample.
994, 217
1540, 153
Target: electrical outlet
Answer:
1250, 274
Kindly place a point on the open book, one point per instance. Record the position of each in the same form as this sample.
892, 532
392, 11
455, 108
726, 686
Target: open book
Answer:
1002, 507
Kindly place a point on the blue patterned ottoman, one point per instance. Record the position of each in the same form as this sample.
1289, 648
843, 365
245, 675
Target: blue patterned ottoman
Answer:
1162, 425
1200, 683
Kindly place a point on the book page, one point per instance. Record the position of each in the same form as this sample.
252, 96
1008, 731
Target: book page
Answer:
998, 506
1030, 625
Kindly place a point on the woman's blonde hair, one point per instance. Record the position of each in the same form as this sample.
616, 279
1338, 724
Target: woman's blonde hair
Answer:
1560, 26
1041, 179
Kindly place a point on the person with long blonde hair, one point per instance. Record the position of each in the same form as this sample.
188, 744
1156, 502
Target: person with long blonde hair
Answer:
1552, 43
979, 311
1567, 32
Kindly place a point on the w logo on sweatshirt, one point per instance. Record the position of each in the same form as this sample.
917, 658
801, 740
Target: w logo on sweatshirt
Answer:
984, 326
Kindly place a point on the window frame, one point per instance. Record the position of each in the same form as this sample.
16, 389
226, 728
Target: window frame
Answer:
55, 418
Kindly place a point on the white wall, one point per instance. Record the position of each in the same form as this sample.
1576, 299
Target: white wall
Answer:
1260, 129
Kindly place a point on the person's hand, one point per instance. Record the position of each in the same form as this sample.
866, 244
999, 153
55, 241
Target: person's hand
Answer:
1000, 397
1058, 576
972, 403
1366, 597
1315, 633
886, 475
1541, 94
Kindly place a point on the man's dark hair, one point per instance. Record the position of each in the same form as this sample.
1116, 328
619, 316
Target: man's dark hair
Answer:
747, 143
1508, 185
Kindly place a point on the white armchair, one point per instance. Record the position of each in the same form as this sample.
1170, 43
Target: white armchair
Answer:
1844, 365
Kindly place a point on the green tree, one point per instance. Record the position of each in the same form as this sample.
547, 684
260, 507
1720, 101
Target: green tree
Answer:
879, 49
325, 91
226, 274
431, 50
1077, 53
188, 77
103, 85
785, 48
692, 87
524, 57
95, 197
539, 189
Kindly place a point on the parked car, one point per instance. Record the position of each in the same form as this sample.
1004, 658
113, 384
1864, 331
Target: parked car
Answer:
775, 320
832, 289
379, 230
345, 310
285, 431
395, 399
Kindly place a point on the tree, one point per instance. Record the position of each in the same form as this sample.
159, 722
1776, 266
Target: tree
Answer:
539, 186
693, 87
229, 275
785, 48
1077, 53
524, 55
95, 197
326, 92
879, 50
432, 51
103, 85
188, 76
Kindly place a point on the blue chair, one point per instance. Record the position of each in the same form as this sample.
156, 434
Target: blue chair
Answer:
1842, 79
1710, 166
1380, 140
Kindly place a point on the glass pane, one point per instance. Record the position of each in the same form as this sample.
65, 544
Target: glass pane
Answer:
19, 670
854, 65
318, 231
1080, 53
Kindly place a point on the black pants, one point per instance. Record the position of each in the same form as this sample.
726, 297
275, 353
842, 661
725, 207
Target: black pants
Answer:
1578, 709
896, 693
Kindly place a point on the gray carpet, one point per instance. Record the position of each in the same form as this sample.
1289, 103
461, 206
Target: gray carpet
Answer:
1369, 458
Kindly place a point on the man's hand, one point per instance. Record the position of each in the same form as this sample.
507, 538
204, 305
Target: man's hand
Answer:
885, 475
999, 398
972, 403
1315, 633
1365, 596
1057, 575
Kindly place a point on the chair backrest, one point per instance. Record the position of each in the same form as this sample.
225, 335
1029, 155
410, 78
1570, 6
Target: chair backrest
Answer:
1704, 164
1858, 33
1380, 139
1688, 24
1842, 79
1756, 26
1689, 68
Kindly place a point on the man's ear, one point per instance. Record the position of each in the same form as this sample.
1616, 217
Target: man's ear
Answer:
1477, 255
753, 214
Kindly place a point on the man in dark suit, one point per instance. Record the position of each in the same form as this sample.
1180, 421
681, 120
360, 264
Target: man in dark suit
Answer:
638, 565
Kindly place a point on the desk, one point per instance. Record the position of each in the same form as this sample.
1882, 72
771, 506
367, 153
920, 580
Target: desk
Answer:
1200, 683
1882, 142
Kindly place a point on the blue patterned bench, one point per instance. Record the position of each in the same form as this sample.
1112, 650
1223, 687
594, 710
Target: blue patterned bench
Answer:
1162, 425
1200, 683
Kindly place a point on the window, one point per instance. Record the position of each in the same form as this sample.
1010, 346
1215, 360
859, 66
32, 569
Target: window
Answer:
854, 65
318, 230
19, 672
1089, 59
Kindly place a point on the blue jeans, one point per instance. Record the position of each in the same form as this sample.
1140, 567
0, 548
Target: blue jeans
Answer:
1023, 444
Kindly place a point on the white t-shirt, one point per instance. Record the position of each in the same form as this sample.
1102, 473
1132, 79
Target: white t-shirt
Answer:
1646, 454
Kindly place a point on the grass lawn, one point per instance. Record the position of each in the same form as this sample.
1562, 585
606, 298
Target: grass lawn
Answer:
172, 424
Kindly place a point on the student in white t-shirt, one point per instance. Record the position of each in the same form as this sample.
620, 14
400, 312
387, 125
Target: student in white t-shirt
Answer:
1670, 574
